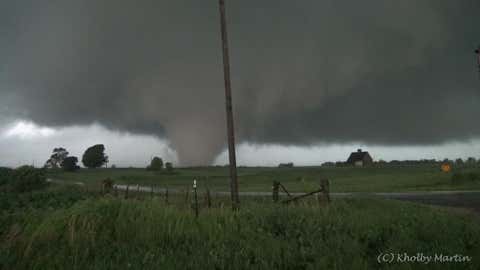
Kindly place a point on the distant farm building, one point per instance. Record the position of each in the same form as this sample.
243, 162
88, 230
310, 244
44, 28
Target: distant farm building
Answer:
286, 165
360, 158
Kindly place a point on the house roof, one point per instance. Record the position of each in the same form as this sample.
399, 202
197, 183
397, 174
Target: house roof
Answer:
357, 156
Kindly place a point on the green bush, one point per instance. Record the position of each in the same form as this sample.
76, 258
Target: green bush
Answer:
458, 178
461, 177
27, 178
51, 198
472, 176
4, 175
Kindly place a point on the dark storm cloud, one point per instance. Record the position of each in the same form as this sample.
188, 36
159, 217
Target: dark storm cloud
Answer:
382, 72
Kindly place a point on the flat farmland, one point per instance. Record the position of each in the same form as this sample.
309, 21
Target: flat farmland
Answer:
298, 179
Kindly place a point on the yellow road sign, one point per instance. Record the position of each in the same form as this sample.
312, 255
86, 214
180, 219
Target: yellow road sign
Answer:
446, 167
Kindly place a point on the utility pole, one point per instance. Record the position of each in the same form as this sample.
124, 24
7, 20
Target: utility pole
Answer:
228, 98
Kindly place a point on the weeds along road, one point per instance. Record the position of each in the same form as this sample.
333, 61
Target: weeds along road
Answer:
461, 199
334, 194
452, 198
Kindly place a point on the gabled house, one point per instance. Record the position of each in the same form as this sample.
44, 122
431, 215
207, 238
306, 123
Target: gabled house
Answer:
360, 159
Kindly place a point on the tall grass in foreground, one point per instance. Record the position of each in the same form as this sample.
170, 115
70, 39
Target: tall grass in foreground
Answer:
112, 233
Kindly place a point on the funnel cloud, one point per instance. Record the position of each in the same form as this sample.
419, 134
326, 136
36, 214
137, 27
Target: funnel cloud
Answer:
378, 72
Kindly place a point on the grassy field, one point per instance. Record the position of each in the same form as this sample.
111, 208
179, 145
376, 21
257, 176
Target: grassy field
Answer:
75, 230
376, 179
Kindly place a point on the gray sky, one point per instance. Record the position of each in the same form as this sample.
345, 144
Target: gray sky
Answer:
308, 77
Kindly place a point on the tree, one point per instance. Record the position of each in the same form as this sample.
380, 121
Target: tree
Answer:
459, 162
56, 159
471, 161
169, 167
69, 164
94, 157
27, 178
156, 164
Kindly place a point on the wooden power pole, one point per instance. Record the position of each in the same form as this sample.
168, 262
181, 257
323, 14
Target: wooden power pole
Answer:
228, 97
477, 51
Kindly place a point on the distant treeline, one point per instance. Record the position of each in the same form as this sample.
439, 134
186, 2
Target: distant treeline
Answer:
470, 162
94, 157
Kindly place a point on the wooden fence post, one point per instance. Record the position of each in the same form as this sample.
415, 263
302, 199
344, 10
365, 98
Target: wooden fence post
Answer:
275, 187
187, 195
126, 191
208, 198
166, 195
151, 192
326, 188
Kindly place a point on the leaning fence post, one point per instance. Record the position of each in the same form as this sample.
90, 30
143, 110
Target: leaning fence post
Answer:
275, 191
151, 192
325, 188
166, 196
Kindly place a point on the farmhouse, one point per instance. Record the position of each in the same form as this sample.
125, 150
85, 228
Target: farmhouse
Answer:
360, 158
